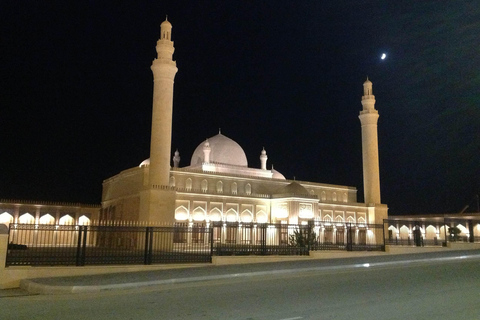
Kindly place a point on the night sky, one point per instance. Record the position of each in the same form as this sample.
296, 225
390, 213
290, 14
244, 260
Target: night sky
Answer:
76, 92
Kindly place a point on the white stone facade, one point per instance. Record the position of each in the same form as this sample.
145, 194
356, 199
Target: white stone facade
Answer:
218, 185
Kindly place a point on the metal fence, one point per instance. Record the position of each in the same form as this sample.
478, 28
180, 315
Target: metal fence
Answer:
79, 245
348, 236
260, 239
431, 232
51, 245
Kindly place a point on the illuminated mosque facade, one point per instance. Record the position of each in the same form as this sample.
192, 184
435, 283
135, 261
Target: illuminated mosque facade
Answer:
218, 185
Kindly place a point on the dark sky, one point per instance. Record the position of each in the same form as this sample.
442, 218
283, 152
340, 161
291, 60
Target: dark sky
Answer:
76, 92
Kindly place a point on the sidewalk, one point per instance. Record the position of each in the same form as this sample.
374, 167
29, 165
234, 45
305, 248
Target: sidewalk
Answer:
129, 280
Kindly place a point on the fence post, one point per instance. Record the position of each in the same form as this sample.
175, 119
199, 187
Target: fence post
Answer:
4, 234
349, 237
84, 246
471, 238
79, 246
263, 230
211, 242
309, 239
383, 228
147, 258
445, 231
417, 233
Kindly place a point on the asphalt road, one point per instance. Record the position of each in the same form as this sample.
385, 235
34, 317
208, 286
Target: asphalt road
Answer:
422, 290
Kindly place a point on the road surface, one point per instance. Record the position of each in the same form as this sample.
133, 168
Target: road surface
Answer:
445, 289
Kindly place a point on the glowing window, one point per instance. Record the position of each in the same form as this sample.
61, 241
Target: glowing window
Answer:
219, 187
6, 218
248, 189
47, 219
204, 186
26, 218
66, 220
324, 196
84, 220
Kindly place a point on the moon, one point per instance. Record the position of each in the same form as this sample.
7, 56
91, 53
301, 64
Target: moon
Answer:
384, 56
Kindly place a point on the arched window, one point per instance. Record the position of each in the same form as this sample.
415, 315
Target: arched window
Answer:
172, 181
334, 196
198, 214
345, 197
234, 188
219, 187
47, 219
188, 184
231, 215
246, 216
215, 215
324, 196
181, 213
248, 189
261, 217
26, 218
84, 220
66, 220
6, 218
204, 185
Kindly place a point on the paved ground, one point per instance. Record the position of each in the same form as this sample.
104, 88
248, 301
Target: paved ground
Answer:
97, 283
427, 286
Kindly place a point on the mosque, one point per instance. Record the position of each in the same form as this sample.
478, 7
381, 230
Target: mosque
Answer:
218, 185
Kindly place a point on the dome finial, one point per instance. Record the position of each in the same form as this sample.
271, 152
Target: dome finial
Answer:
263, 159
206, 151
176, 159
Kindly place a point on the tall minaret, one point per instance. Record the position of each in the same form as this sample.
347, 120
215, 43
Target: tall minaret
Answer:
164, 70
371, 173
157, 200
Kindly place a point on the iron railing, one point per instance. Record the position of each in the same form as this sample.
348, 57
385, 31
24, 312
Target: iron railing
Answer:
260, 239
79, 245
31, 244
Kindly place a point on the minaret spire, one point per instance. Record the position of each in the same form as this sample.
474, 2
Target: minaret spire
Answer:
206, 151
164, 70
157, 201
371, 172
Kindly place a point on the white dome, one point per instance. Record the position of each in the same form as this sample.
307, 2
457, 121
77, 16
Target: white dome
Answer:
145, 163
223, 150
277, 175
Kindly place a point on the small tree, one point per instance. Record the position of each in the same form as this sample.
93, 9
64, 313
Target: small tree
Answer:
302, 237
454, 233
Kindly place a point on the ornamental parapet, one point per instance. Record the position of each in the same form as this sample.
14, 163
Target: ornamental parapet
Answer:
49, 203
252, 195
294, 195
